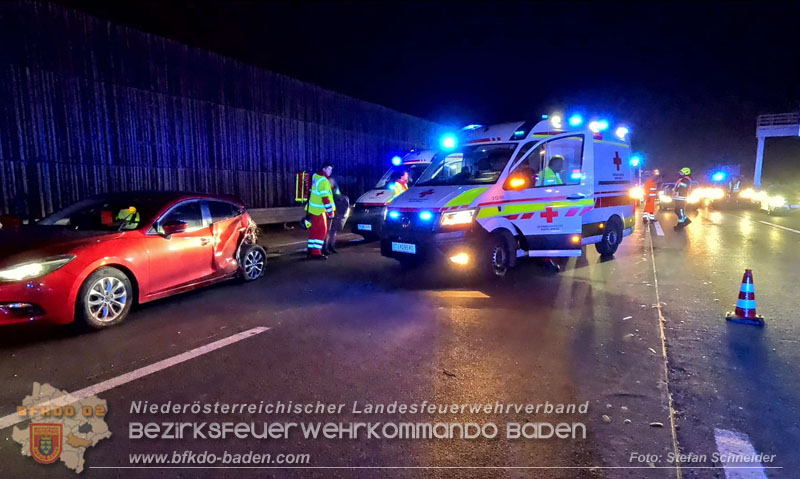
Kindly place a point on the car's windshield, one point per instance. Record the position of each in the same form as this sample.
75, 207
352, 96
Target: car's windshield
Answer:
112, 213
472, 165
414, 172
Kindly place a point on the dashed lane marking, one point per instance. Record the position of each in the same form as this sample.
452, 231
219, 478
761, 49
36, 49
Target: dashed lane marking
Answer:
732, 445
657, 226
98, 388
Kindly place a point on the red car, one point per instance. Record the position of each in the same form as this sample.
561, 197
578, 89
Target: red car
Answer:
91, 261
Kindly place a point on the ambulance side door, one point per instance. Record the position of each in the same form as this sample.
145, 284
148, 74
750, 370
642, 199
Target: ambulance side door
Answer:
546, 192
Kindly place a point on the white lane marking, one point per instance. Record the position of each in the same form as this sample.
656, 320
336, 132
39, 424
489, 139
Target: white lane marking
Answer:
734, 445
779, 226
661, 321
459, 294
70, 398
659, 231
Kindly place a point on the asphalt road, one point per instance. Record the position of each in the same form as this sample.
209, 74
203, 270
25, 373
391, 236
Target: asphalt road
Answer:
360, 328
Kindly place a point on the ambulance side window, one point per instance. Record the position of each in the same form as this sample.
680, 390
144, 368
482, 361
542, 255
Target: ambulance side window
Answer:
556, 162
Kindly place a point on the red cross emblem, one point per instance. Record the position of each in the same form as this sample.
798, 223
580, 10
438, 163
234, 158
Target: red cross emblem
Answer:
426, 193
380, 193
549, 213
617, 160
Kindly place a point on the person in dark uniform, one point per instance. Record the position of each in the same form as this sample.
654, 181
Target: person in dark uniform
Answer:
682, 187
342, 203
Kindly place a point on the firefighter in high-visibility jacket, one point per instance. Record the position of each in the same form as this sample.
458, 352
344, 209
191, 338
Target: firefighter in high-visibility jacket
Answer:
682, 187
321, 209
650, 195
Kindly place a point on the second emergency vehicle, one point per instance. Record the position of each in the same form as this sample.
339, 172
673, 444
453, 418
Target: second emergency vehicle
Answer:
517, 189
367, 214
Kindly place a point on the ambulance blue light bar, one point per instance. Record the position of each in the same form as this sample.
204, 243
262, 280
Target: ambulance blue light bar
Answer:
575, 120
397, 161
393, 214
425, 215
718, 176
635, 160
448, 141
621, 132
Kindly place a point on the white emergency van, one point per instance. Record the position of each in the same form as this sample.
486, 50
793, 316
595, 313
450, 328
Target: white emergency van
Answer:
366, 218
517, 189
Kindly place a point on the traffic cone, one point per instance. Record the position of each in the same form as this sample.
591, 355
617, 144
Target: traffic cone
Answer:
746, 304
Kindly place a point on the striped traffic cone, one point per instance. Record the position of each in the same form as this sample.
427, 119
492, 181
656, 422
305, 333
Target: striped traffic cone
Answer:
746, 304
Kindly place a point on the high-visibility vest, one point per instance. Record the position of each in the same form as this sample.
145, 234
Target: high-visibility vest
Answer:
398, 188
321, 198
650, 188
549, 178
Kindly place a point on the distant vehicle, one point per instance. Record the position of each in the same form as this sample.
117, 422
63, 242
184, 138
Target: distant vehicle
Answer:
90, 262
528, 188
697, 195
367, 216
775, 199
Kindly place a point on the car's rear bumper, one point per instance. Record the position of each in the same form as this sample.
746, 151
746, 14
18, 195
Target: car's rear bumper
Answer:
366, 220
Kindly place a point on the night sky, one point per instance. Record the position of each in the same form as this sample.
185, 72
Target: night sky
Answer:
690, 78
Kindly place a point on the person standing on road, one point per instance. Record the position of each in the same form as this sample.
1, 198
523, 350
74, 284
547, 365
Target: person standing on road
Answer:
650, 194
321, 209
342, 203
682, 187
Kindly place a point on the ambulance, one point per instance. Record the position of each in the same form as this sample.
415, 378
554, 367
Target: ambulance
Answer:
537, 189
366, 218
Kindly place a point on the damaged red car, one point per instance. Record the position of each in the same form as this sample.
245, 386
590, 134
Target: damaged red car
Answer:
93, 260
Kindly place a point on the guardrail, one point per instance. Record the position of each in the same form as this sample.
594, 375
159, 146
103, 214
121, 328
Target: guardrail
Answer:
270, 216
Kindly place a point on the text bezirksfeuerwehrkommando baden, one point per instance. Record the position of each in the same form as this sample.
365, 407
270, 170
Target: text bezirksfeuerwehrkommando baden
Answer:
355, 408
210, 427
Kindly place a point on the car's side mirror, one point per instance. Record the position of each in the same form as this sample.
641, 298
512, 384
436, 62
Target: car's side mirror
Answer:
172, 227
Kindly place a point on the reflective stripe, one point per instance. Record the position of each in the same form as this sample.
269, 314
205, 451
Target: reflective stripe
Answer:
316, 241
466, 197
748, 288
315, 246
746, 303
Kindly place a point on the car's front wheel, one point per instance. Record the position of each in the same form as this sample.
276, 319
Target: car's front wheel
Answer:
104, 299
252, 262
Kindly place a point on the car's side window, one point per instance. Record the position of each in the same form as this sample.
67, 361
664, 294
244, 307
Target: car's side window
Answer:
556, 162
223, 210
188, 212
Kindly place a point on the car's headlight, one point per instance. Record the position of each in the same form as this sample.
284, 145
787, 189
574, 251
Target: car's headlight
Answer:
34, 269
454, 218
776, 201
666, 199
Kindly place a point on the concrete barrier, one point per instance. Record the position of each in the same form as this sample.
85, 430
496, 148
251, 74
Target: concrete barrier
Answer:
269, 216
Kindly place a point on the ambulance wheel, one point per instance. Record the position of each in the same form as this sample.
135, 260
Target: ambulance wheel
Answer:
500, 255
252, 262
612, 238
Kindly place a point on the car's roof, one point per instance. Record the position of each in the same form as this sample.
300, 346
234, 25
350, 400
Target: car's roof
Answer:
167, 196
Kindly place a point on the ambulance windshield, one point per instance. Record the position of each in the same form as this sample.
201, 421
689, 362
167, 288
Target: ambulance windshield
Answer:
414, 171
472, 165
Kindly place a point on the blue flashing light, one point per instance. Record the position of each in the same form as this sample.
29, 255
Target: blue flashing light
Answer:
718, 176
602, 125
575, 120
472, 127
397, 161
544, 117
449, 141
425, 215
635, 160
394, 214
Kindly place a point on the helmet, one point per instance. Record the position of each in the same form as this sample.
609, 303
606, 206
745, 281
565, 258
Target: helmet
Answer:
686, 171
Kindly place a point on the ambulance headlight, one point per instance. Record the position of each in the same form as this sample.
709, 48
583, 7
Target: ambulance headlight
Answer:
457, 218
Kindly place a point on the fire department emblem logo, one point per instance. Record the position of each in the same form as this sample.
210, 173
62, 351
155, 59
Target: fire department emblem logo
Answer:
46, 442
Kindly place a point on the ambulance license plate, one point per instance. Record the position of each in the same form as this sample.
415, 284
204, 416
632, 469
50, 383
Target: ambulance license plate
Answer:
364, 227
404, 248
